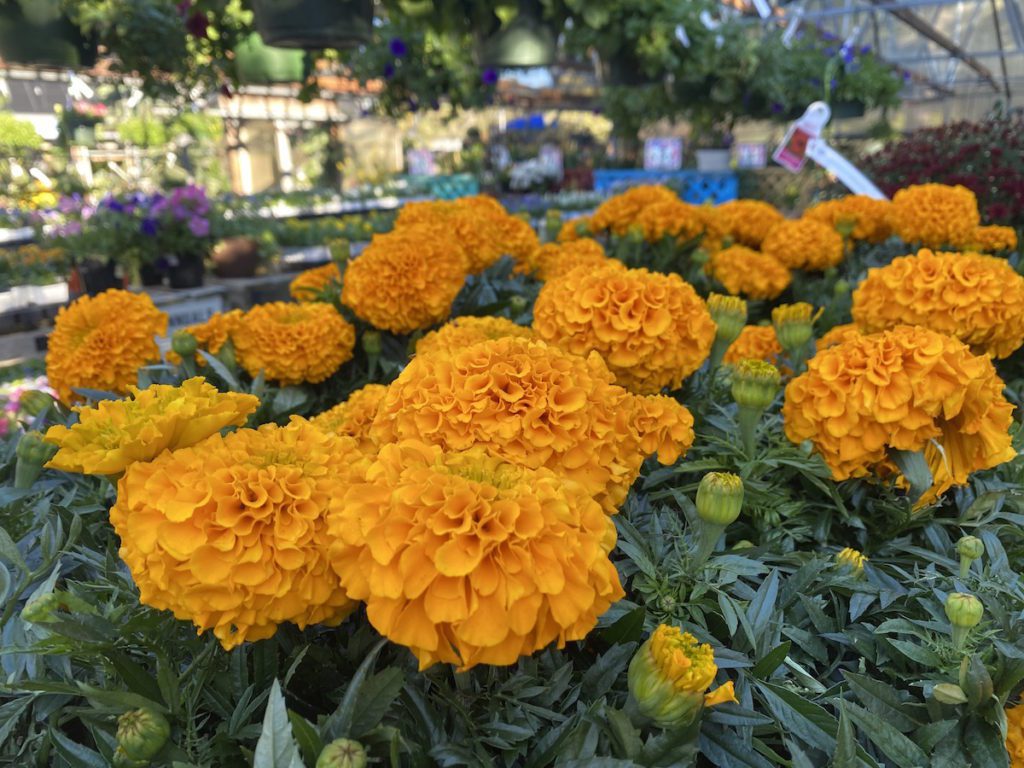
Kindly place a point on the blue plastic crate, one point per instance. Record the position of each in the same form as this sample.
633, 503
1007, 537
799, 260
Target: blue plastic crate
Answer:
693, 186
451, 187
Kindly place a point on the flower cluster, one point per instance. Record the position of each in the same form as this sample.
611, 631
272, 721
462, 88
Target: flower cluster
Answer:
211, 335
935, 215
554, 260
838, 334
620, 212
1015, 735
652, 329
311, 284
670, 218
354, 417
907, 389
100, 342
804, 244
755, 342
746, 272
857, 217
406, 280
463, 332
114, 434
993, 239
572, 229
231, 533
293, 343
748, 221
978, 299
536, 406
494, 560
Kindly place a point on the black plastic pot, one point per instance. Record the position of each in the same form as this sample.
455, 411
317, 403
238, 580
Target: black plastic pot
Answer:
187, 271
313, 24
151, 275
98, 276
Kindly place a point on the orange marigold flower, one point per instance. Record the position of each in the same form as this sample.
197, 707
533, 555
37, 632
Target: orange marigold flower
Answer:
858, 217
748, 221
1015, 735
463, 332
652, 329
554, 260
670, 218
992, 239
619, 212
100, 342
406, 280
537, 406
838, 334
493, 560
210, 335
354, 417
978, 299
517, 238
115, 433
804, 244
755, 342
311, 284
908, 389
935, 215
293, 343
750, 273
231, 534
571, 229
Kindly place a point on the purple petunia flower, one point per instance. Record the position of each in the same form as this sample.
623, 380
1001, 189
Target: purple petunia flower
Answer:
865, 50
830, 51
115, 205
398, 47
389, 71
776, 108
199, 227
148, 227
489, 76
906, 77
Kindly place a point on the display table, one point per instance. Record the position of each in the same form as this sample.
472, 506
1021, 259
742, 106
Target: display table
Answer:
694, 187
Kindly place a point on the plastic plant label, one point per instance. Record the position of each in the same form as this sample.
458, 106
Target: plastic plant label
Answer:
791, 154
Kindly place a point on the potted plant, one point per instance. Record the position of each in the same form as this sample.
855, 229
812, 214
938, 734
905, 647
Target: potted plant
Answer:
313, 24
38, 32
524, 42
259, 63
178, 228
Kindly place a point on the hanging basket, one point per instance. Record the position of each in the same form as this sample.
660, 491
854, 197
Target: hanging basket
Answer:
259, 64
524, 43
313, 24
54, 42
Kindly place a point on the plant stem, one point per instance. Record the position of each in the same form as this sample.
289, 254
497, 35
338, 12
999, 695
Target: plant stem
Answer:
748, 419
709, 536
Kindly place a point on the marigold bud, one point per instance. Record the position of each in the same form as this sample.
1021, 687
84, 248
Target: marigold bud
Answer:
39, 610
184, 344
970, 546
949, 693
794, 324
729, 314
719, 498
141, 733
33, 452
669, 675
851, 559
342, 753
341, 251
121, 760
33, 402
755, 384
371, 343
518, 304
635, 235
964, 610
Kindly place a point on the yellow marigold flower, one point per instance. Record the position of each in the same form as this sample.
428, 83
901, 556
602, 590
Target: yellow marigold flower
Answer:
851, 559
978, 299
537, 406
463, 332
100, 342
669, 675
669, 218
652, 329
493, 560
935, 215
838, 334
293, 343
210, 335
909, 389
748, 221
354, 417
116, 433
554, 260
571, 229
858, 217
619, 212
755, 342
516, 237
804, 244
406, 280
1015, 735
231, 534
750, 273
992, 239
310, 285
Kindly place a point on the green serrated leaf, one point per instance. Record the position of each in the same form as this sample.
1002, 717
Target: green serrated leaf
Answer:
9, 551
276, 747
306, 737
901, 750
883, 700
376, 695
846, 743
339, 724
771, 660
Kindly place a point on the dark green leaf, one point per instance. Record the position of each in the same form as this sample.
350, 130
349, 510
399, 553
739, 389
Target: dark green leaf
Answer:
339, 723
846, 743
276, 746
771, 661
901, 750
628, 629
883, 700
376, 696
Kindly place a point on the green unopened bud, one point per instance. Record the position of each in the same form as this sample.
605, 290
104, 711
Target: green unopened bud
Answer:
700, 256
949, 693
841, 287
755, 384
226, 354
341, 251
730, 315
634, 235
964, 612
743, 544
371, 343
970, 548
121, 760
141, 733
851, 560
33, 452
342, 753
40, 610
583, 228
33, 402
845, 227
518, 304
794, 325
720, 498
184, 345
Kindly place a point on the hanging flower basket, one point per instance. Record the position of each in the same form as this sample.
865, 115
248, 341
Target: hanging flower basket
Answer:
313, 24
49, 41
524, 43
257, 63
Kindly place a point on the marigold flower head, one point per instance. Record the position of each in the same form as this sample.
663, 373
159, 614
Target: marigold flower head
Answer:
804, 244
935, 215
669, 675
113, 434
538, 406
494, 560
794, 324
574, 229
857, 217
652, 329
748, 221
755, 342
978, 299
908, 389
463, 332
619, 212
553, 260
354, 417
1015, 735
293, 343
719, 498
406, 280
992, 239
100, 342
231, 533
311, 284
210, 335
750, 273
669, 218
838, 334
851, 559
516, 237
729, 314
755, 384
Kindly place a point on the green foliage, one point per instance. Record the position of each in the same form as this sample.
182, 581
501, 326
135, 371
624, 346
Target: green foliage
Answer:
18, 138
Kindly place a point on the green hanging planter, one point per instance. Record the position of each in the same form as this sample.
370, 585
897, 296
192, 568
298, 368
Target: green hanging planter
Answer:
313, 24
257, 63
43, 39
525, 42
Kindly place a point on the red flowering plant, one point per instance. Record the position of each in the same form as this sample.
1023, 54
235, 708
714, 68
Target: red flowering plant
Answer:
987, 157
